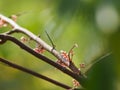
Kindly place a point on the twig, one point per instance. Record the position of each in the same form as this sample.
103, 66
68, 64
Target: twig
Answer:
17, 28
75, 69
69, 53
4, 38
18, 67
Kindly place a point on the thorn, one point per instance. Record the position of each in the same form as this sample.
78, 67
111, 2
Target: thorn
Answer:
53, 45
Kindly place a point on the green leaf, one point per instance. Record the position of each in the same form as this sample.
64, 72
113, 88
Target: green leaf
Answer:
101, 75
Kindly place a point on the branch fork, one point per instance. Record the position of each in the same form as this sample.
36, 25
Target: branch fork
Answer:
74, 73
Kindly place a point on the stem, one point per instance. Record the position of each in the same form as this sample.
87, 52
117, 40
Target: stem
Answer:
17, 28
34, 73
4, 38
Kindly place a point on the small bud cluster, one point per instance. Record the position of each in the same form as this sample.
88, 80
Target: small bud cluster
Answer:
76, 84
82, 65
66, 60
2, 23
66, 57
14, 17
24, 39
39, 50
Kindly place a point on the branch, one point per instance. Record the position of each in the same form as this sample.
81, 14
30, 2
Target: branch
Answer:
34, 73
74, 73
4, 38
17, 28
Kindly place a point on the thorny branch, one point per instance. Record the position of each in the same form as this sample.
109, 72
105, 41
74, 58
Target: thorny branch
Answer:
4, 38
33, 73
76, 74
17, 28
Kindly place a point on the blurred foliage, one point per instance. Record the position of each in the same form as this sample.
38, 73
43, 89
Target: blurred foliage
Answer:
102, 75
92, 24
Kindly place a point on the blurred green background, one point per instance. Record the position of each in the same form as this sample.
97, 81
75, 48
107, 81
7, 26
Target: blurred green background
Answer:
92, 24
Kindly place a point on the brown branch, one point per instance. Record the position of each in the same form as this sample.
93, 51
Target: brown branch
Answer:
76, 74
18, 67
17, 28
4, 38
